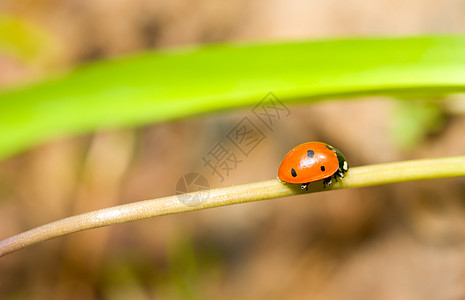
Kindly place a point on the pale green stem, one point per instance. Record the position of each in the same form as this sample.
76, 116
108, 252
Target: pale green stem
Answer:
356, 177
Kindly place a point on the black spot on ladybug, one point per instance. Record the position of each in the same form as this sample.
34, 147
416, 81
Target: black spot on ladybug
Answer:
310, 153
293, 173
322, 168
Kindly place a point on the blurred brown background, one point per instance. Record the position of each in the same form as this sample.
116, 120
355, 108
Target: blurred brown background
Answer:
402, 241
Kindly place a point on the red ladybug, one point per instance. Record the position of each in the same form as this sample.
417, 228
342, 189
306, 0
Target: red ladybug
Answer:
310, 162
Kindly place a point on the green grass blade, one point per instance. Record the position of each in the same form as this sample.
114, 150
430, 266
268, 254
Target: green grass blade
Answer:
163, 85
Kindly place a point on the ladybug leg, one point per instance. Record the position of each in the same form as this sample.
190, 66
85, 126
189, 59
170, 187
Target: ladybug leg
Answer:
327, 181
339, 173
304, 186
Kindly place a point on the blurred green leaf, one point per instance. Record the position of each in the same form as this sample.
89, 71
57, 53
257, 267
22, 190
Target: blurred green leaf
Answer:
26, 41
183, 269
413, 120
163, 85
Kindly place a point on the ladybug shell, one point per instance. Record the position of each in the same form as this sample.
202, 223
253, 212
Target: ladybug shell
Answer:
308, 162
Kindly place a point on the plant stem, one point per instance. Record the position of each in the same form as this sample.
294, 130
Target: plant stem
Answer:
356, 177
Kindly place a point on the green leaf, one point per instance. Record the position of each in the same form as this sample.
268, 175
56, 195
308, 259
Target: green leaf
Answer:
163, 85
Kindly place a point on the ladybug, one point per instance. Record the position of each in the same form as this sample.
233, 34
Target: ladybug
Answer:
310, 162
